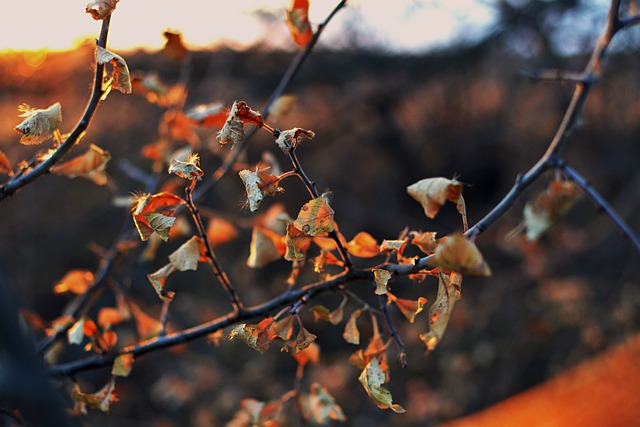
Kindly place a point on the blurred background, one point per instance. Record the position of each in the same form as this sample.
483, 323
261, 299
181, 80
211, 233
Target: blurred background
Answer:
415, 90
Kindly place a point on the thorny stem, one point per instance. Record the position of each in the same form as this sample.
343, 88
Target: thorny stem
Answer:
217, 270
21, 180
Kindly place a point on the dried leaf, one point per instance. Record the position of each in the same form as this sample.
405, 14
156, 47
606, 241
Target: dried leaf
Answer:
325, 258
122, 365
75, 281
220, 231
372, 378
315, 217
549, 207
187, 170
433, 192
282, 107
266, 247
259, 184
121, 77
101, 399
311, 354
208, 115
440, 311
297, 17
288, 139
351, 333
363, 245
187, 255
174, 48
409, 308
161, 208
381, 277
158, 280
282, 329
147, 326
334, 317
388, 246
250, 335
297, 242
426, 241
150, 85
303, 340
457, 253
239, 114
38, 125
109, 316
100, 9
91, 165
321, 407
5, 164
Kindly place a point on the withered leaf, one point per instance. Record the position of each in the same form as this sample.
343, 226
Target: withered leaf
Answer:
457, 253
91, 165
121, 77
297, 17
38, 125
372, 378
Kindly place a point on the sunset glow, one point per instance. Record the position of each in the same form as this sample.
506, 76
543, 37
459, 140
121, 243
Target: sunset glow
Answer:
404, 25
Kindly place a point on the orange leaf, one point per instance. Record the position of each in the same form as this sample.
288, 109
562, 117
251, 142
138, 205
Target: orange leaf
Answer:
372, 378
259, 184
91, 165
351, 333
122, 365
208, 115
147, 326
266, 247
158, 280
388, 246
381, 277
239, 114
549, 207
321, 407
363, 245
121, 77
303, 340
150, 85
109, 316
298, 22
315, 217
176, 126
220, 231
186, 257
433, 192
5, 164
325, 258
187, 170
163, 204
173, 47
334, 317
75, 281
101, 399
311, 354
440, 311
255, 336
409, 308
282, 329
426, 241
457, 253
297, 242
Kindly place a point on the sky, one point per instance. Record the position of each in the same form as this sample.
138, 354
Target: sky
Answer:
399, 25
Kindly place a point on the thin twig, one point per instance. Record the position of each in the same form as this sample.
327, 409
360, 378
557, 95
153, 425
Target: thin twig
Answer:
392, 330
601, 203
22, 180
217, 270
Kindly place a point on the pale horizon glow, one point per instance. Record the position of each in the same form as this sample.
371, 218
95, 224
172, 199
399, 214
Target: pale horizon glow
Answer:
404, 25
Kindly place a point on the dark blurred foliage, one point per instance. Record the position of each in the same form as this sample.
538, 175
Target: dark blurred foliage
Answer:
382, 123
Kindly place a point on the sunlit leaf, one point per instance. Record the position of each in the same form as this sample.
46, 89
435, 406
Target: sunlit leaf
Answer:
239, 114
100, 9
208, 115
255, 336
432, 193
259, 184
426, 241
161, 206
381, 277
311, 354
440, 311
109, 316
548, 207
38, 125
176, 126
351, 333
75, 281
363, 245
91, 165
121, 77
158, 280
457, 253
100, 400
321, 407
5, 164
75, 334
409, 308
187, 255
297, 16
122, 365
147, 326
325, 258
303, 340
315, 217
220, 231
334, 317
372, 378
150, 85
288, 139
266, 247
297, 242
282, 329
187, 170
388, 246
